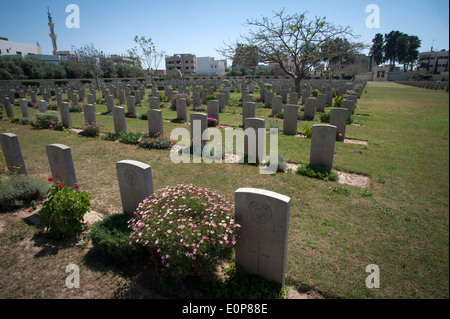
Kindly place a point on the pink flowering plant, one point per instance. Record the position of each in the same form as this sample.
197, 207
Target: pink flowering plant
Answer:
191, 228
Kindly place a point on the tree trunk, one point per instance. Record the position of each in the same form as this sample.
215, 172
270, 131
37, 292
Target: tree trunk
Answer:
297, 81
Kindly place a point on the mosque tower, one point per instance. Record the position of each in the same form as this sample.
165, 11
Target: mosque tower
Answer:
53, 36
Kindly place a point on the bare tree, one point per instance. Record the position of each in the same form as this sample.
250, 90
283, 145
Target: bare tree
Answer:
147, 54
90, 58
292, 41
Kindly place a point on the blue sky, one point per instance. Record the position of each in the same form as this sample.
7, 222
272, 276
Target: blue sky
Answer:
200, 27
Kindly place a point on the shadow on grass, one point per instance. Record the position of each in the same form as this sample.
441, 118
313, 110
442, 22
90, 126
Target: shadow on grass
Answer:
147, 278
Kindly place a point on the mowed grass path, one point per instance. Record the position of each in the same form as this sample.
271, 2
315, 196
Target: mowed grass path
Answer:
401, 223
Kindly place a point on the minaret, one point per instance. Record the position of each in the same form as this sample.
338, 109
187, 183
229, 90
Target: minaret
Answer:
53, 36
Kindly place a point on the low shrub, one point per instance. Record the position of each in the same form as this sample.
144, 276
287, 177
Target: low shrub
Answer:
76, 109
62, 213
338, 100
189, 100
111, 236
191, 228
307, 131
325, 117
212, 122
211, 97
19, 191
90, 129
128, 137
45, 120
31, 83
110, 137
318, 171
315, 92
156, 141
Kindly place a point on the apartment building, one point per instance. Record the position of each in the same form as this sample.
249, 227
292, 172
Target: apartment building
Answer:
186, 63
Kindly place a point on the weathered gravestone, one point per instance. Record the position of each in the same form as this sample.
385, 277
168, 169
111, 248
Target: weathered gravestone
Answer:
199, 125
12, 153
120, 124
264, 219
89, 113
65, 114
323, 140
24, 108
255, 139
290, 119
154, 103
276, 105
109, 102
181, 109
135, 183
349, 105
155, 122
42, 106
61, 164
212, 109
338, 118
248, 111
310, 108
8, 107
131, 105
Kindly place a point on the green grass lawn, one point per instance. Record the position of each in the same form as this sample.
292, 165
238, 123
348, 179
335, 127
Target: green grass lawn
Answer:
401, 223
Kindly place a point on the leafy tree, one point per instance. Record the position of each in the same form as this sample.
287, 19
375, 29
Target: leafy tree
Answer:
377, 50
89, 57
289, 36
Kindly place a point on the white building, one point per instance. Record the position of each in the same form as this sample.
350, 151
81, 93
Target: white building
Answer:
14, 48
209, 66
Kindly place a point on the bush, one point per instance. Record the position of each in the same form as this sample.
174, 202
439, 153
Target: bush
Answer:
212, 122
325, 117
45, 120
127, 137
111, 236
31, 83
19, 191
318, 171
62, 213
142, 116
90, 129
110, 137
162, 97
315, 92
191, 228
76, 109
156, 141
211, 97
189, 100
338, 100
307, 131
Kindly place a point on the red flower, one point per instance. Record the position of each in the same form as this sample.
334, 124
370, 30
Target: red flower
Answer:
76, 186
51, 179
61, 185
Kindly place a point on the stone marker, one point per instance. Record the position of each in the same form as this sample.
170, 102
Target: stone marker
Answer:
338, 118
320, 102
248, 111
323, 140
290, 119
120, 123
277, 106
264, 219
61, 164
310, 108
212, 109
131, 105
135, 183
221, 98
293, 98
199, 125
64, 110
349, 105
181, 109
154, 103
121, 97
109, 102
24, 108
268, 99
255, 139
89, 113
155, 122
8, 107
42, 106
12, 153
